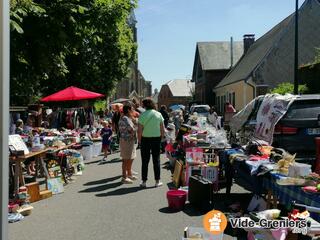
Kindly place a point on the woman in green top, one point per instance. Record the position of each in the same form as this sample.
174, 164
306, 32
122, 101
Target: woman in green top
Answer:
150, 133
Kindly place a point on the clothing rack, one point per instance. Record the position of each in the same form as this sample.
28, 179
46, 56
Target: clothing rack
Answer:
71, 118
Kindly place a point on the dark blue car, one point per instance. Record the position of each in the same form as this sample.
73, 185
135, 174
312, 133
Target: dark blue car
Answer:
297, 129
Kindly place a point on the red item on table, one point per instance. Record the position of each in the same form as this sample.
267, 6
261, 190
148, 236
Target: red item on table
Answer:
258, 158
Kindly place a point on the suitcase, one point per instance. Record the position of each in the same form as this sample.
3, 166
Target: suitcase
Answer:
200, 193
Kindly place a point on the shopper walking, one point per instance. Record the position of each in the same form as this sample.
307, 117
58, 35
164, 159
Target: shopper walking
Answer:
150, 133
106, 134
127, 133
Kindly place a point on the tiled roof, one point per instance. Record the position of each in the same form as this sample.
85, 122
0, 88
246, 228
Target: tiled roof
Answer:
258, 50
180, 87
217, 55
270, 58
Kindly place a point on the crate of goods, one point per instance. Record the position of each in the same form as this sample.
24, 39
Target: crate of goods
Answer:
33, 191
211, 157
45, 194
194, 155
210, 173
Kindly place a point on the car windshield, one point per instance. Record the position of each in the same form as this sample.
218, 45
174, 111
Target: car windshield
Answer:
201, 109
304, 109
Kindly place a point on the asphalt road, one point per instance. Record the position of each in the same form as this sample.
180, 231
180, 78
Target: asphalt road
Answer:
97, 206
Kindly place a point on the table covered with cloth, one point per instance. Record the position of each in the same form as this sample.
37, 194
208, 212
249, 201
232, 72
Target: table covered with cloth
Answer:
237, 166
287, 194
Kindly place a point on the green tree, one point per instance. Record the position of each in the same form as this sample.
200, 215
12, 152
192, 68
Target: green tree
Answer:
286, 87
108, 47
58, 43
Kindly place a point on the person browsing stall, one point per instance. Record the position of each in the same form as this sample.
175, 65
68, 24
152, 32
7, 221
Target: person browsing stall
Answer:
150, 133
19, 127
165, 115
106, 134
213, 117
115, 119
127, 130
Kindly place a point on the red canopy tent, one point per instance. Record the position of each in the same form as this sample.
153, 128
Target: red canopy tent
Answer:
71, 94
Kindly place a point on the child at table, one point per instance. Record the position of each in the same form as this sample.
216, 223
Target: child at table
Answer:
106, 134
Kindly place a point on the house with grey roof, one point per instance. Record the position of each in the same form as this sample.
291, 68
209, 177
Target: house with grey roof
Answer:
270, 59
212, 62
177, 91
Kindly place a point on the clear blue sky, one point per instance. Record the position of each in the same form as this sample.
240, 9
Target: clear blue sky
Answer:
169, 29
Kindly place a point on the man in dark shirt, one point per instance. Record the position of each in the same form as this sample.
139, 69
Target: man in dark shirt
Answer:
115, 120
165, 115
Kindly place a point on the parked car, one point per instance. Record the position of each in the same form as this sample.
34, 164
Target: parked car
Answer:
201, 110
296, 130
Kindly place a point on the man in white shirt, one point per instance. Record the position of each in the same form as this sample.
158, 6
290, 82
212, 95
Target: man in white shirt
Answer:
213, 117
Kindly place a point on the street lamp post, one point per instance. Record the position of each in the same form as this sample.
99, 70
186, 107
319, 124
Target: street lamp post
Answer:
296, 48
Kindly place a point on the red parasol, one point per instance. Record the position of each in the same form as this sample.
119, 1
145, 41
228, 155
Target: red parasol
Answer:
70, 94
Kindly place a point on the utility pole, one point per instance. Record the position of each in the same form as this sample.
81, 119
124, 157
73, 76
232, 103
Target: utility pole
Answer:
4, 114
296, 49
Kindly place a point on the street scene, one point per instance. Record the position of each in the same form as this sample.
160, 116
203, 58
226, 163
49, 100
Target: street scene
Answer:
144, 119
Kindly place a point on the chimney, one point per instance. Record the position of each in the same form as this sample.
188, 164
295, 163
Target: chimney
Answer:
248, 40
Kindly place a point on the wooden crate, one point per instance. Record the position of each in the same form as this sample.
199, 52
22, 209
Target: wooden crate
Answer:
33, 191
45, 194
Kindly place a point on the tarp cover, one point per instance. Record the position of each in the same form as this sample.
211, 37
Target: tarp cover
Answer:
272, 109
241, 117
